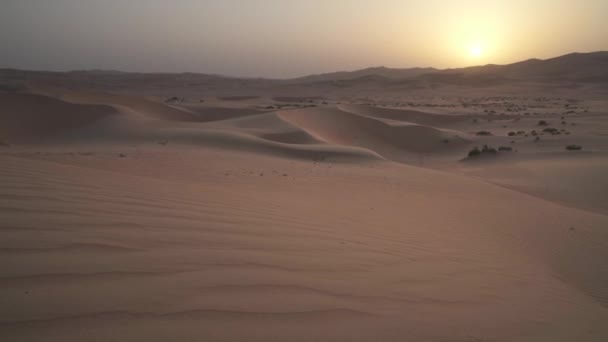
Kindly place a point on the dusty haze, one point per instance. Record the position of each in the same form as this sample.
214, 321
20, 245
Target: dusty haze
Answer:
273, 38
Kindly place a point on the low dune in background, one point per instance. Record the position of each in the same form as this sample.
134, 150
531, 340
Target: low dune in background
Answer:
281, 212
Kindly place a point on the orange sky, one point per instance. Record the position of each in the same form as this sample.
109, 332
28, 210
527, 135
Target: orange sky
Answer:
284, 38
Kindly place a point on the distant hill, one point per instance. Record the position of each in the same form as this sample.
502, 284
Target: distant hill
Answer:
384, 72
575, 67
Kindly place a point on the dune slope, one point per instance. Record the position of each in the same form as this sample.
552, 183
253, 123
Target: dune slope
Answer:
391, 140
28, 117
183, 249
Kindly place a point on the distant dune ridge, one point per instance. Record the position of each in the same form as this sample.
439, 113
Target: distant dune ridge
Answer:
339, 207
577, 67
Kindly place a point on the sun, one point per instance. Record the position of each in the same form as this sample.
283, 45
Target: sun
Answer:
476, 51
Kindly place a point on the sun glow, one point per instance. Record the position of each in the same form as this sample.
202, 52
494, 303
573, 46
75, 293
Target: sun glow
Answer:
476, 51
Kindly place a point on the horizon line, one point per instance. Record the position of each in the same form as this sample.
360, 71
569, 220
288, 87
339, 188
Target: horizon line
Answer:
290, 78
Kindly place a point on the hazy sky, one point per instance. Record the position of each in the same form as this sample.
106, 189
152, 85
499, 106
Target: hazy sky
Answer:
283, 38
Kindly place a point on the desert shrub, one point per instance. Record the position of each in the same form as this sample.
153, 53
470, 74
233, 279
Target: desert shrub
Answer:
488, 149
574, 147
551, 130
484, 133
511, 134
474, 152
537, 139
543, 123
505, 149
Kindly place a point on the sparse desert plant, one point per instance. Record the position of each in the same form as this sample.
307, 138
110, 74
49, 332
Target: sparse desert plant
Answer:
505, 149
574, 147
474, 152
484, 133
551, 130
543, 123
537, 139
488, 149
511, 134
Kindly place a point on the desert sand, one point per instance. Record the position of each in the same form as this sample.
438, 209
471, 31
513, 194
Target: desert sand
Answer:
141, 207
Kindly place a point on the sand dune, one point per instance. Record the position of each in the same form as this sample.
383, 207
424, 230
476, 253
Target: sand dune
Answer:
413, 116
272, 127
215, 113
196, 253
394, 141
28, 117
149, 108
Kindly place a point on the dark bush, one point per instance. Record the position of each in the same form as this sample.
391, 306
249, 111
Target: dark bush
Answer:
474, 152
574, 147
543, 123
551, 130
512, 134
488, 149
484, 133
